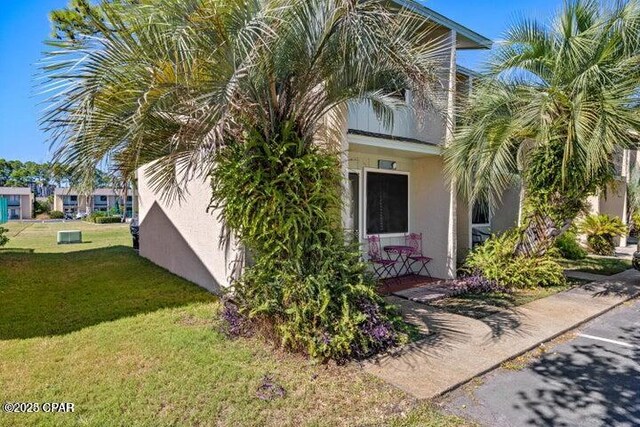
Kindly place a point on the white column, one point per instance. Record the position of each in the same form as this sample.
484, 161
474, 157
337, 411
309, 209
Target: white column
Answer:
452, 246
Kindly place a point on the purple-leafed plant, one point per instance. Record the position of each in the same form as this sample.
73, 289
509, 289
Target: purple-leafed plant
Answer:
377, 327
235, 324
476, 283
269, 389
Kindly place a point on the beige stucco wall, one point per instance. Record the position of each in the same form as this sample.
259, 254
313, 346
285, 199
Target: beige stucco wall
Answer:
613, 202
506, 214
428, 204
26, 206
183, 237
430, 213
503, 217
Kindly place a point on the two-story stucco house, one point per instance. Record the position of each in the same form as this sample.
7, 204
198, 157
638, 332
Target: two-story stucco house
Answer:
393, 177
19, 202
71, 201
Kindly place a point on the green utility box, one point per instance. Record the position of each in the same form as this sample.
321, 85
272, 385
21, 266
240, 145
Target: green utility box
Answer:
70, 236
4, 210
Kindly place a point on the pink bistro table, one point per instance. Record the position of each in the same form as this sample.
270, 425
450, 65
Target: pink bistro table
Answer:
402, 253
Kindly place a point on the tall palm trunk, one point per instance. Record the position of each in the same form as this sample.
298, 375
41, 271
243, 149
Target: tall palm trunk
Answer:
539, 234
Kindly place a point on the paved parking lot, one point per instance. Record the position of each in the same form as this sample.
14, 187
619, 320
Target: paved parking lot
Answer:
591, 380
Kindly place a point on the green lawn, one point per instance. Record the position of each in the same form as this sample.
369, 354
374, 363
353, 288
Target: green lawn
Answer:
130, 344
41, 237
606, 266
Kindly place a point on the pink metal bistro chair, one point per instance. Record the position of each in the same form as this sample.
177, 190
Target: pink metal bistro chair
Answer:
381, 266
414, 240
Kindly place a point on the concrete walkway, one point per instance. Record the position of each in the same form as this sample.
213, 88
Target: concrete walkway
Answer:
460, 348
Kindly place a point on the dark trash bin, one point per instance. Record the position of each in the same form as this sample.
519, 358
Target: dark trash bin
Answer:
135, 234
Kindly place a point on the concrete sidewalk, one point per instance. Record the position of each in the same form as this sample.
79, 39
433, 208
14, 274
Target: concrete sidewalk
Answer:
460, 348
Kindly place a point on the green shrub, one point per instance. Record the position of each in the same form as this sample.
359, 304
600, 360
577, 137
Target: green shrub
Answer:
496, 260
635, 223
108, 219
93, 216
41, 207
56, 215
568, 246
307, 287
3, 236
601, 230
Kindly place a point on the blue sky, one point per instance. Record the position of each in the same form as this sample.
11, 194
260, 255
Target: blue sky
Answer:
24, 25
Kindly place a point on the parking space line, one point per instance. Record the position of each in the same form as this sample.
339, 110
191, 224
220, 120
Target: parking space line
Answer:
620, 343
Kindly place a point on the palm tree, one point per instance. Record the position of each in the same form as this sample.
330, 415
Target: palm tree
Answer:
174, 81
557, 103
170, 83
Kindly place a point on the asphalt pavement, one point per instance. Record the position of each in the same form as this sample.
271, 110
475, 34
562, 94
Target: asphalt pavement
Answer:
590, 380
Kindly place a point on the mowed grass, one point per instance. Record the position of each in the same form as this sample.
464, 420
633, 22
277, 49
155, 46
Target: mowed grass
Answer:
41, 237
606, 266
133, 345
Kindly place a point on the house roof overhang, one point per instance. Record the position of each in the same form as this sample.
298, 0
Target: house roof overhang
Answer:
393, 145
15, 191
467, 71
466, 38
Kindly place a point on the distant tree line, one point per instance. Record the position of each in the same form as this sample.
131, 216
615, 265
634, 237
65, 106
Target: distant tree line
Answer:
43, 178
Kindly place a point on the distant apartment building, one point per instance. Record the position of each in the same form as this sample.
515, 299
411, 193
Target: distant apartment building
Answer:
19, 202
72, 202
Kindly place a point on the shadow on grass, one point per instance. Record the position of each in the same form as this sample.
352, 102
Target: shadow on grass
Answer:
56, 293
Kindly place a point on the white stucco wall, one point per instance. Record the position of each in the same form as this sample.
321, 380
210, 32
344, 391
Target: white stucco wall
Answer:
183, 237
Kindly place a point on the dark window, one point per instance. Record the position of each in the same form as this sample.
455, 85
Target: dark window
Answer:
74, 198
103, 198
129, 198
480, 214
387, 203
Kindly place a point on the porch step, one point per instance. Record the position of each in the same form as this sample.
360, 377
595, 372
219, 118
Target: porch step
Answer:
426, 293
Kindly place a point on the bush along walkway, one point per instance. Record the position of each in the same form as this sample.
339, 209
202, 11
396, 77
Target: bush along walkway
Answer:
459, 348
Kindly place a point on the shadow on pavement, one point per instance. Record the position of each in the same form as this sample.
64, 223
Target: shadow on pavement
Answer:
590, 380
